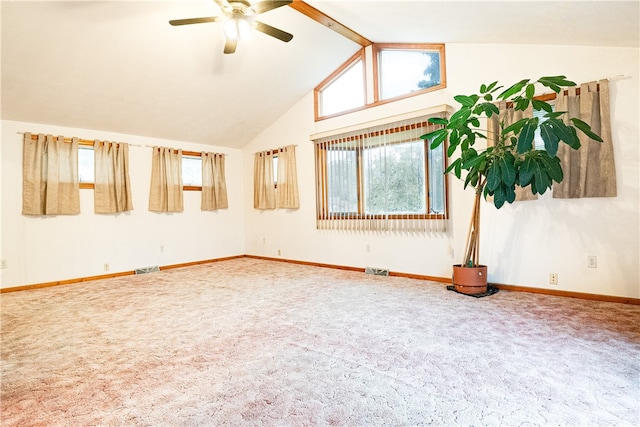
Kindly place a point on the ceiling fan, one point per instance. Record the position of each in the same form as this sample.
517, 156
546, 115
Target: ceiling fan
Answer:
239, 17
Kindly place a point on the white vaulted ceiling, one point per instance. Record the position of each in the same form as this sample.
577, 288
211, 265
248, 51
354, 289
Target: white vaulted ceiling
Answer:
119, 66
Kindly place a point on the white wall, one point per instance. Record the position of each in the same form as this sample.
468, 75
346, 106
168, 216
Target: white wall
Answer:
521, 243
45, 249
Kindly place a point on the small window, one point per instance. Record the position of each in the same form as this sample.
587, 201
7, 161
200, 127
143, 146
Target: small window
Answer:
86, 165
344, 90
191, 172
404, 70
275, 171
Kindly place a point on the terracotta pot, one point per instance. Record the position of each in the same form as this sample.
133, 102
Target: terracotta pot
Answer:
470, 280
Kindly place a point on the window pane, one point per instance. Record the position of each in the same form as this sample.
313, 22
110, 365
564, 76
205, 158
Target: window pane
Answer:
345, 92
406, 71
394, 179
538, 142
342, 181
85, 164
436, 180
275, 170
192, 171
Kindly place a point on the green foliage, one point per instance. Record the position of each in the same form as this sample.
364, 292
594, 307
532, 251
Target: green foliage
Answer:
496, 171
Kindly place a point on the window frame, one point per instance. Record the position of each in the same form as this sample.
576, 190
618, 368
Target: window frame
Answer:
372, 89
323, 212
346, 66
87, 145
192, 154
377, 50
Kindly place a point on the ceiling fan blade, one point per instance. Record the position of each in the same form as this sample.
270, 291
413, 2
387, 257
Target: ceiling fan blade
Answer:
272, 31
196, 20
230, 45
223, 4
267, 5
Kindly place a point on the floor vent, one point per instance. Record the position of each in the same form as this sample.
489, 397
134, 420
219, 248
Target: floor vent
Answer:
145, 270
377, 271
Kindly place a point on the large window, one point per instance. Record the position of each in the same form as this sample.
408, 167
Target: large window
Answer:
380, 178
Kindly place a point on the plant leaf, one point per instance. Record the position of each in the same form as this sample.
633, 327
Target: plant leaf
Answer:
435, 143
513, 89
550, 139
526, 136
521, 104
507, 170
541, 179
552, 166
531, 91
493, 177
541, 105
459, 117
499, 197
467, 101
489, 108
491, 86
563, 132
471, 179
586, 129
525, 174
514, 127
510, 194
438, 121
555, 82
455, 167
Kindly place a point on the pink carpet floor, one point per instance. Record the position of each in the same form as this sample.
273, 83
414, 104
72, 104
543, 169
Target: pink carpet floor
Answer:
249, 342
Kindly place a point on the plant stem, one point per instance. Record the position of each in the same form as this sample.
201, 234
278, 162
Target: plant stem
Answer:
472, 246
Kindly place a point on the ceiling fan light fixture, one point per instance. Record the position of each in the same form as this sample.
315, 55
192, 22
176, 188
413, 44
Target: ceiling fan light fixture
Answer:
238, 28
238, 18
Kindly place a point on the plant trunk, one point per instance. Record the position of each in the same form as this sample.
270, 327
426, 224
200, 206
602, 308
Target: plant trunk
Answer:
472, 247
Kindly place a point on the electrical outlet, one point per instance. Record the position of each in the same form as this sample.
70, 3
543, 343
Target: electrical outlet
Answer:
279, 253
553, 278
106, 266
592, 261
367, 248
3, 264
161, 248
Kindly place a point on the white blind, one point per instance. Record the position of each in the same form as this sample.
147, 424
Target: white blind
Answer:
382, 177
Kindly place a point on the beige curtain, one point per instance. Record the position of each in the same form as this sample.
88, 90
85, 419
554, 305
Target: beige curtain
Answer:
287, 189
509, 116
112, 189
50, 176
214, 186
166, 180
590, 171
264, 192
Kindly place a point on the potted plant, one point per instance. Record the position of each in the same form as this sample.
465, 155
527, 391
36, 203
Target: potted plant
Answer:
511, 161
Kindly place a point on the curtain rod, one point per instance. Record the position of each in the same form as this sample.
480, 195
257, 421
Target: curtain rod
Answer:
89, 143
276, 150
444, 108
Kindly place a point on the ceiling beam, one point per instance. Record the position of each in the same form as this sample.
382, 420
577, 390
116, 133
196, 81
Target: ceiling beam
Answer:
329, 22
